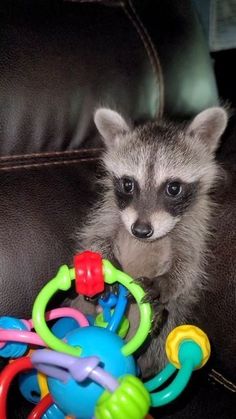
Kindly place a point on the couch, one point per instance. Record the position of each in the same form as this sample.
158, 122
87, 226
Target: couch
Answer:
59, 61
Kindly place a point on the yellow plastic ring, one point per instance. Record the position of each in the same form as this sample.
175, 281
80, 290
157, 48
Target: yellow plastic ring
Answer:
43, 385
183, 333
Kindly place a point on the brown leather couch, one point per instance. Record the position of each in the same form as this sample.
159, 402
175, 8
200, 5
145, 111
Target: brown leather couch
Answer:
58, 61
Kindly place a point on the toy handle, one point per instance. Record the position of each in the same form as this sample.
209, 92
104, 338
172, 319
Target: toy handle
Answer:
63, 281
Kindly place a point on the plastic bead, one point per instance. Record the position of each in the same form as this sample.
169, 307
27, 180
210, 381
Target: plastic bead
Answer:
89, 279
130, 400
187, 333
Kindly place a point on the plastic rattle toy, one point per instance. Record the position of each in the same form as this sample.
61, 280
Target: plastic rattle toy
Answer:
81, 367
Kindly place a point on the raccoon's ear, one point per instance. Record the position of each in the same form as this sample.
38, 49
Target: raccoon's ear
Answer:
209, 125
110, 124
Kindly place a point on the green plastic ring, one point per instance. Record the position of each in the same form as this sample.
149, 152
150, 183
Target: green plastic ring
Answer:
62, 282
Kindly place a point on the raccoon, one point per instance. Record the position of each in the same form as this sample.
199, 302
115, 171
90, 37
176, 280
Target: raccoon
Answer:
154, 215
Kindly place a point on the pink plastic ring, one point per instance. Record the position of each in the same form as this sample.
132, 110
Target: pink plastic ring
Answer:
62, 312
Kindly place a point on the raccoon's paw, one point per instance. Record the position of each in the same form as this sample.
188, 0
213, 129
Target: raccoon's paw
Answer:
156, 296
147, 284
157, 289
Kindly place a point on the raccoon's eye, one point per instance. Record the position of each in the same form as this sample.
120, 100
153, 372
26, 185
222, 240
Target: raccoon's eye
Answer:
127, 185
173, 188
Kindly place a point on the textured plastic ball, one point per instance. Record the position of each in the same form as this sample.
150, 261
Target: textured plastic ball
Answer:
77, 399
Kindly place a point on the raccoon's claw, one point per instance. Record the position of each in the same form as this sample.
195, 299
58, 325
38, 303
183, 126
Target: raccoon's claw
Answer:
148, 286
143, 281
154, 295
156, 290
131, 298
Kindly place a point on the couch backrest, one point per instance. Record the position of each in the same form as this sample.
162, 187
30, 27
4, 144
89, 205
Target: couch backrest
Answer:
59, 60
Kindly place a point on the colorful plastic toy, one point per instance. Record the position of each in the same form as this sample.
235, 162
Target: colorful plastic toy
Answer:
88, 370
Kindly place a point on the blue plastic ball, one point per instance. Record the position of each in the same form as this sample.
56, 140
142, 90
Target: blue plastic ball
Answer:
77, 399
28, 382
29, 387
64, 326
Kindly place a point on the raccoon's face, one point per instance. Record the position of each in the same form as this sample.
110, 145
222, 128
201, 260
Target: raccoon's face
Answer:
159, 172
153, 212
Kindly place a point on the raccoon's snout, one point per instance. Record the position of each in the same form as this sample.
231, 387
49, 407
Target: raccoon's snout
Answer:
142, 230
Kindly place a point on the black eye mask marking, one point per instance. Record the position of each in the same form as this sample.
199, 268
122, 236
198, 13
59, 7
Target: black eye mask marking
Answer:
178, 204
126, 190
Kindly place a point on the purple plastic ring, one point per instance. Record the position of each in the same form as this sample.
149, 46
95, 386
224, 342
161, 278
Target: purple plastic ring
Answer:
62, 367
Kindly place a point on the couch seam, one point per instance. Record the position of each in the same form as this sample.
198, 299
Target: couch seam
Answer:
148, 46
220, 379
50, 154
151, 52
55, 163
105, 2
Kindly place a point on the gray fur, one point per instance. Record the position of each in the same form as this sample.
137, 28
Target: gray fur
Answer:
173, 258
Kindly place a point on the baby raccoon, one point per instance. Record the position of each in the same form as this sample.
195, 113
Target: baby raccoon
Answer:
153, 217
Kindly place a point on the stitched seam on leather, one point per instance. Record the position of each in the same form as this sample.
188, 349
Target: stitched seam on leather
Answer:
148, 45
28, 162
219, 378
151, 52
105, 2
55, 163
51, 154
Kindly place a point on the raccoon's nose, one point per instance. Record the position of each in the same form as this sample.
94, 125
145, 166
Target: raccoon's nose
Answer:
141, 230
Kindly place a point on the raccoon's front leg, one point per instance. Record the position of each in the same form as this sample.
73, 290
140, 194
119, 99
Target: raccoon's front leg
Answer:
158, 293
158, 289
